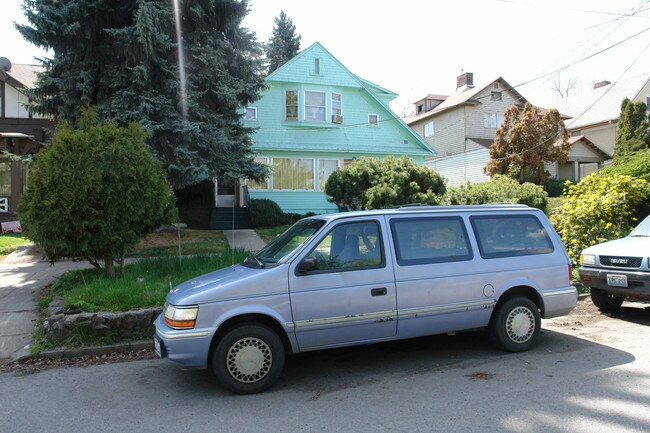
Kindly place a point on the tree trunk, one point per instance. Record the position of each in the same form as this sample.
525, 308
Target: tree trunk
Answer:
109, 268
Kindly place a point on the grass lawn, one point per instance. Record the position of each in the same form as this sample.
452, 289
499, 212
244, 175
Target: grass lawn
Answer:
269, 233
193, 242
144, 283
9, 242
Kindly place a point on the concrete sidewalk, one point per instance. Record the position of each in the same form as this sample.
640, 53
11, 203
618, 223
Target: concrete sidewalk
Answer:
246, 239
23, 274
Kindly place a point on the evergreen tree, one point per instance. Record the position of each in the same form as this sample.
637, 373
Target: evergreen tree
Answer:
284, 44
122, 57
525, 141
633, 129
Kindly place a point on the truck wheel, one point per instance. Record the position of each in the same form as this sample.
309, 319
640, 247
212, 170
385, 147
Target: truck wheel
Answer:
605, 301
515, 324
248, 358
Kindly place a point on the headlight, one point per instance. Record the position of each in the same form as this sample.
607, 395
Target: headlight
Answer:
180, 317
587, 259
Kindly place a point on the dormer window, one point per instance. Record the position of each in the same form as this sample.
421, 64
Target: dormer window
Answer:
291, 105
314, 106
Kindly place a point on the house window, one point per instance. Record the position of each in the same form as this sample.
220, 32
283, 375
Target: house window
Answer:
314, 106
251, 113
492, 120
496, 85
5, 178
317, 66
291, 105
252, 184
325, 168
428, 130
373, 119
293, 173
336, 104
496, 96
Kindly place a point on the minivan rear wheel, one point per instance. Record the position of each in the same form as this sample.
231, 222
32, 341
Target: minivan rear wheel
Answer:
248, 358
515, 324
606, 301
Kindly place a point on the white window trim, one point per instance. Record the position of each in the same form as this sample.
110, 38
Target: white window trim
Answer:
373, 124
433, 129
246, 112
304, 112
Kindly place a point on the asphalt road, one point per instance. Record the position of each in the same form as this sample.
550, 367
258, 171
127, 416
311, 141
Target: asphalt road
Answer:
586, 375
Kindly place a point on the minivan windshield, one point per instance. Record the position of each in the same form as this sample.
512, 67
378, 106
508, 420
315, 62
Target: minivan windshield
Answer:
284, 245
643, 229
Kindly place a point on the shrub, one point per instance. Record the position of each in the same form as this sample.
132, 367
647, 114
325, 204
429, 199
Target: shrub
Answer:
499, 189
635, 164
265, 213
598, 209
556, 187
371, 183
93, 192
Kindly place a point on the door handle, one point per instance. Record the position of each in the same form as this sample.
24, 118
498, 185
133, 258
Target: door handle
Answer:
379, 291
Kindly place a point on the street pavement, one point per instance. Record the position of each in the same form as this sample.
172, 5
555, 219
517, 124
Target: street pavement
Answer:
23, 274
584, 376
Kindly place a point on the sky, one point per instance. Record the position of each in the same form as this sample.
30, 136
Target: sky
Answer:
419, 47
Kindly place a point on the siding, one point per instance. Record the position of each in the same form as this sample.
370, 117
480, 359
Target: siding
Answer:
462, 168
297, 201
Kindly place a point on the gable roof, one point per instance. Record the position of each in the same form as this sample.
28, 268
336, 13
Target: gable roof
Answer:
344, 78
21, 75
602, 104
464, 95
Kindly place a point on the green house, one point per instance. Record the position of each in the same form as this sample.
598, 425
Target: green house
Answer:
315, 117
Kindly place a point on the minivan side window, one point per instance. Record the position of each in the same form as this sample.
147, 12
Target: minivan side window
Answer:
350, 246
430, 240
510, 236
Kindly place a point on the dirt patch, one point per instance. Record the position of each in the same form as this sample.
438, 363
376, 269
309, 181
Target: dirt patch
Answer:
169, 238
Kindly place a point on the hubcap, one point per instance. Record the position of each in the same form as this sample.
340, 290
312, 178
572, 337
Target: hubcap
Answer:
249, 360
520, 324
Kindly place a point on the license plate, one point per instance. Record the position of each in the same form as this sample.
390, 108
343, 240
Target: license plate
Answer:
156, 346
617, 280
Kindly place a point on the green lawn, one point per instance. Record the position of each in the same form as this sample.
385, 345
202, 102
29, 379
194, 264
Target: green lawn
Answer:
269, 233
144, 283
9, 242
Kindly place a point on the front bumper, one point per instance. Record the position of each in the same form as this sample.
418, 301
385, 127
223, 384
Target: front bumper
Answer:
638, 282
189, 348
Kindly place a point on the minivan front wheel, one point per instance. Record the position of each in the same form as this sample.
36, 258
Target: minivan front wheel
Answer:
605, 301
515, 325
248, 358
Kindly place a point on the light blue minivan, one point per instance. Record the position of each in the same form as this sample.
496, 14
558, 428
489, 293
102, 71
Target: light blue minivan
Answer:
367, 277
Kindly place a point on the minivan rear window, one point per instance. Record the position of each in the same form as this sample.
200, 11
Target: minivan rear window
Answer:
424, 240
510, 236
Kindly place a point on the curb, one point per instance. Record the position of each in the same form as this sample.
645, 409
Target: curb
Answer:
77, 352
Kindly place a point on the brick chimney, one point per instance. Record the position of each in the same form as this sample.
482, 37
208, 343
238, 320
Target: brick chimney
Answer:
602, 84
465, 79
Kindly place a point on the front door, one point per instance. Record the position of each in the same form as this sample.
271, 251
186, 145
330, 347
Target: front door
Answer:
351, 296
226, 191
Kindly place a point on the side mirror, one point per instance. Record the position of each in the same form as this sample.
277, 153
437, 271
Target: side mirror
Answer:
307, 265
